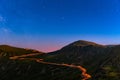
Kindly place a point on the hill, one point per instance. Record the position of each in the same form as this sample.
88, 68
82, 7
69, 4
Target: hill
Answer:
102, 61
87, 54
7, 51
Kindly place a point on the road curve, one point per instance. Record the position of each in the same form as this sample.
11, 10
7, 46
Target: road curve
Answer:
23, 57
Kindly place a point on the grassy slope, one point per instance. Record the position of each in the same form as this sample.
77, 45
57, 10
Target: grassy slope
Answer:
30, 70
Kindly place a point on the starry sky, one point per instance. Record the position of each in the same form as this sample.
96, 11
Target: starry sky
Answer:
48, 25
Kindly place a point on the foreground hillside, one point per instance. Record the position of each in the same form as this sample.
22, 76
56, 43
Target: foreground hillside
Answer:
31, 70
102, 62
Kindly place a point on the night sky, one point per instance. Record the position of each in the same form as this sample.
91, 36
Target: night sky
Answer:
48, 25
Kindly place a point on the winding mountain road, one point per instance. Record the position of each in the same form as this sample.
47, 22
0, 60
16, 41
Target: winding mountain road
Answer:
23, 57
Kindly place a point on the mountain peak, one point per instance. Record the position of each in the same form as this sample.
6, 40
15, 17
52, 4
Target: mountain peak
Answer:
84, 43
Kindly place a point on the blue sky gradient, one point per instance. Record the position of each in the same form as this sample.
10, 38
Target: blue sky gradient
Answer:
48, 25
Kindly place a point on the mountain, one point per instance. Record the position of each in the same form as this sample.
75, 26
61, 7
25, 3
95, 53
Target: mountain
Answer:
102, 61
7, 51
80, 53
